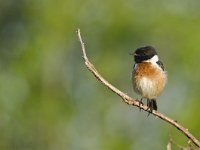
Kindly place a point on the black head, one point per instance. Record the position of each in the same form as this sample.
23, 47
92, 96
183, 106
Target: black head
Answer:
144, 53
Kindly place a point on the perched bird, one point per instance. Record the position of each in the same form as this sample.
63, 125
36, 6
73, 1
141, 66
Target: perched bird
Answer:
148, 75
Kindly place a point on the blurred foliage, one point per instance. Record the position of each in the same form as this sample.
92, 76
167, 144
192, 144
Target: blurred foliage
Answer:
48, 99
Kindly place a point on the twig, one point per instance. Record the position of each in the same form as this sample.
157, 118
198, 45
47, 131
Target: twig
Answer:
130, 101
171, 141
169, 146
178, 146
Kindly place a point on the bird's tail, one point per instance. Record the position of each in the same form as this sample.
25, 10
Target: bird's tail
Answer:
152, 104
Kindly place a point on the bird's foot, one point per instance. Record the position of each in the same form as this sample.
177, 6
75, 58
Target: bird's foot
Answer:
140, 103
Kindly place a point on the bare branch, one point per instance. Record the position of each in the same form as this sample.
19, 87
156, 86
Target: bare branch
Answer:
130, 101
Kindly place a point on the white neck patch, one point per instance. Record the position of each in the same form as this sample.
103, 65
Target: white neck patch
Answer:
154, 59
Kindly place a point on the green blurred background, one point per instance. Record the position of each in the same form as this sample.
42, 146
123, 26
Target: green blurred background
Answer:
49, 100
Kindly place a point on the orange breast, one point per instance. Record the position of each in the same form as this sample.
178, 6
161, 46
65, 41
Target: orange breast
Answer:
148, 80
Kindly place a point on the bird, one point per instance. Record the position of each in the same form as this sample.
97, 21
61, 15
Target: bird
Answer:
148, 76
